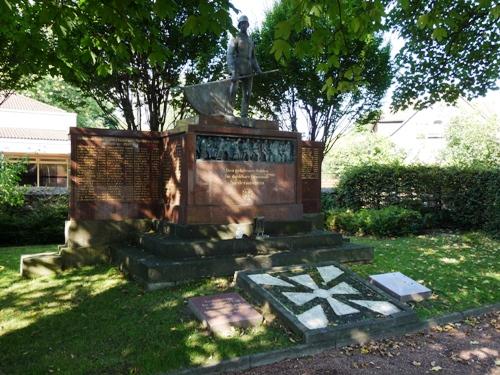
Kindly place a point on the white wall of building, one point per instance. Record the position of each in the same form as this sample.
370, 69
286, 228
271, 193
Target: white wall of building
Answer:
421, 134
34, 146
37, 120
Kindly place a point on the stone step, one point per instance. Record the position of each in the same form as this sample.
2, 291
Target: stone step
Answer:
154, 272
175, 249
228, 231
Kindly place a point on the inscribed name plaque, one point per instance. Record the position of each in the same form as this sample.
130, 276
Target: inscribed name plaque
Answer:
221, 312
117, 169
312, 153
401, 286
114, 174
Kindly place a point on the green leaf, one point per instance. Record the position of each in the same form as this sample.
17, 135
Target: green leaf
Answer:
191, 26
334, 61
104, 70
355, 24
422, 21
93, 56
281, 48
348, 73
495, 12
156, 57
283, 30
165, 8
439, 34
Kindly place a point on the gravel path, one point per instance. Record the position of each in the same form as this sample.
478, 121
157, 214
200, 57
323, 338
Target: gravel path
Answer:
468, 347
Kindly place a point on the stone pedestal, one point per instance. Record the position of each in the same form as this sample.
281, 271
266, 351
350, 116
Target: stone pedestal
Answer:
230, 174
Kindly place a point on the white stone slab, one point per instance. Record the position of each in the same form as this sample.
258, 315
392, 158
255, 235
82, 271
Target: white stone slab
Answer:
381, 307
343, 288
305, 280
265, 279
299, 298
401, 286
321, 293
341, 308
328, 273
314, 318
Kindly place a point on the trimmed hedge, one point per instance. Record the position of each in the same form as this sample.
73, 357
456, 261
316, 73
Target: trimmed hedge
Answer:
37, 223
388, 221
444, 196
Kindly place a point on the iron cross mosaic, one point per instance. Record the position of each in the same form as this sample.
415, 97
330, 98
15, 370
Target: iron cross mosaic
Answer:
324, 296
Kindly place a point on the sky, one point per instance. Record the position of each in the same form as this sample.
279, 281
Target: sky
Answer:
255, 10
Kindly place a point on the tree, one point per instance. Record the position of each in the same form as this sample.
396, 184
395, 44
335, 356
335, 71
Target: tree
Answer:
11, 193
361, 148
54, 91
135, 66
298, 87
473, 141
130, 53
22, 58
451, 47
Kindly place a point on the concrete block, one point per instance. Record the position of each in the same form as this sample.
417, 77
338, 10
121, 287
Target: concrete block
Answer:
41, 264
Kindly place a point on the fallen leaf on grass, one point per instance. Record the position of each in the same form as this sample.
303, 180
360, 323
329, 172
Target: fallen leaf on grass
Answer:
474, 342
436, 368
416, 364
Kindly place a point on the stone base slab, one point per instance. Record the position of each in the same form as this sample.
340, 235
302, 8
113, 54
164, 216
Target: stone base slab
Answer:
155, 272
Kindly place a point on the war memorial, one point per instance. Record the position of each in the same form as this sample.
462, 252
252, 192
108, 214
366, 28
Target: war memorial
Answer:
219, 195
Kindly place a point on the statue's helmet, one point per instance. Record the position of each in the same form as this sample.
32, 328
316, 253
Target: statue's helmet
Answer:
242, 18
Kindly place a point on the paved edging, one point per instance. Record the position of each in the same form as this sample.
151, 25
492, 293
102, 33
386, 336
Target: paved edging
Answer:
266, 358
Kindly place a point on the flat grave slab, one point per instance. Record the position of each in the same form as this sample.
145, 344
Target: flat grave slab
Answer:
327, 302
401, 286
221, 312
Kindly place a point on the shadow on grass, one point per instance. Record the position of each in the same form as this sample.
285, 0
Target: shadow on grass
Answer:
92, 321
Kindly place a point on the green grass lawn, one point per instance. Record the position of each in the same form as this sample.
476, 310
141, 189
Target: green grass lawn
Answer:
92, 320
463, 270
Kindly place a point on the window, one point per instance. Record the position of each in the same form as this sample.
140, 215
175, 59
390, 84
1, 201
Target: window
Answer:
54, 175
30, 177
44, 171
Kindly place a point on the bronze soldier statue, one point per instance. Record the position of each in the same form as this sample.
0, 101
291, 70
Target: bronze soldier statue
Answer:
241, 62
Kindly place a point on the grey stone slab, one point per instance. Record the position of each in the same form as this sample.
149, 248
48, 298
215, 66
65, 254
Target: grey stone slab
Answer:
266, 279
305, 280
221, 312
313, 318
382, 307
401, 286
343, 288
341, 308
328, 273
299, 298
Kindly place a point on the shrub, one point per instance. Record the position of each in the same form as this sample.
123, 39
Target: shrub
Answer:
41, 222
445, 196
388, 221
11, 194
361, 148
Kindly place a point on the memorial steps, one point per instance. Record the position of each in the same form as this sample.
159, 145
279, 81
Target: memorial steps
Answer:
159, 260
